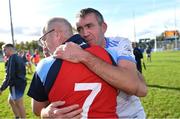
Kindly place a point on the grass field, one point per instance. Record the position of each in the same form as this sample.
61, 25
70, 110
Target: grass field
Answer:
162, 77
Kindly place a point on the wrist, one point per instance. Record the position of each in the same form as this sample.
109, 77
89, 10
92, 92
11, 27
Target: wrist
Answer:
84, 58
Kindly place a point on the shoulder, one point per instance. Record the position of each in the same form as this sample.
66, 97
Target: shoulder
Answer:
120, 43
44, 63
14, 57
43, 67
119, 40
120, 48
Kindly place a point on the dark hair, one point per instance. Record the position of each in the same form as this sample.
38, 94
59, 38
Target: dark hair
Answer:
83, 12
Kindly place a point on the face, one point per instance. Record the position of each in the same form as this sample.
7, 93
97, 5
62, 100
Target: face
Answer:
133, 45
90, 30
52, 39
6, 51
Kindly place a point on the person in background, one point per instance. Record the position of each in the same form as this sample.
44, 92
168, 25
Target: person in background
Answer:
148, 53
92, 27
138, 56
35, 58
15, 79
22, 55
28, 63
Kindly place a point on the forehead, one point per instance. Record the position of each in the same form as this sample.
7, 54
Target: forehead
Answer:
89, 18
49, 26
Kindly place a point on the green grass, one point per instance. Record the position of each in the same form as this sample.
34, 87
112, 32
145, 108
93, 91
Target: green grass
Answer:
162, 76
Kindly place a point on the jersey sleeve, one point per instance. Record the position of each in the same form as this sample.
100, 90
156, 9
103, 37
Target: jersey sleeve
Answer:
36, 90
125, 51
37, 87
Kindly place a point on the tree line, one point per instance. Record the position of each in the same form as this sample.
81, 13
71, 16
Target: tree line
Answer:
32, 45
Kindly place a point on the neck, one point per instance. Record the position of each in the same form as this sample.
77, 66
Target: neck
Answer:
103, 43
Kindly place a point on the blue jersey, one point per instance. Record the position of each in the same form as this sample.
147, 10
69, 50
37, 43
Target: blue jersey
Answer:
120, 49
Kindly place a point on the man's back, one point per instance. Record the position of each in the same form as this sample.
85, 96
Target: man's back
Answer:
16, 70
76, 84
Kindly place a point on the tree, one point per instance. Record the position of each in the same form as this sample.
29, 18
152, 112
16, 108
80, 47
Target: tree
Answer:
1, 43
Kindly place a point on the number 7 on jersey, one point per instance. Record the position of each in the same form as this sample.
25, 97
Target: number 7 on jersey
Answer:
95, 87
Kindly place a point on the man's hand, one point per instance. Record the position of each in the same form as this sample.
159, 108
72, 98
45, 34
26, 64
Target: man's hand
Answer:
53, 111
69, 52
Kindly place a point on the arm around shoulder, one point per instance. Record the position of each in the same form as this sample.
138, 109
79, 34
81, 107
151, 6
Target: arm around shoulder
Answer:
124, 76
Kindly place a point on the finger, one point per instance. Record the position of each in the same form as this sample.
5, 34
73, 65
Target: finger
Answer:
59, 49
57, 103
73, 114
66, 109
57, 54
77, 117
62, 47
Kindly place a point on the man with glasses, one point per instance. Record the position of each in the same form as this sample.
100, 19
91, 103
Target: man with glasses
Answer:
73, 83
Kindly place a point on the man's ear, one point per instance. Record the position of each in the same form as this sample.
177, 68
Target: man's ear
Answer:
104, 27
59, 35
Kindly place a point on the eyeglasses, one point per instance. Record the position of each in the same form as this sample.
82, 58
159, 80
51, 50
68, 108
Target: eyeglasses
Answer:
42, 39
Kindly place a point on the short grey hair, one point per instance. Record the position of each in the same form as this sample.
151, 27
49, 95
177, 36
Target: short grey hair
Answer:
64, 25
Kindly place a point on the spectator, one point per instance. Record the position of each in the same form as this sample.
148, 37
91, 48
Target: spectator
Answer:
36, 57
15, 79
28, 63
138, 56
22, 55
148, 52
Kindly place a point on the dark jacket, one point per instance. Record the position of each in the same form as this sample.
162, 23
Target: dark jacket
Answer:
15, 72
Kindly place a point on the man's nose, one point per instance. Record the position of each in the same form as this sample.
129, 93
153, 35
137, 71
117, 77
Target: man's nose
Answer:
85, 32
